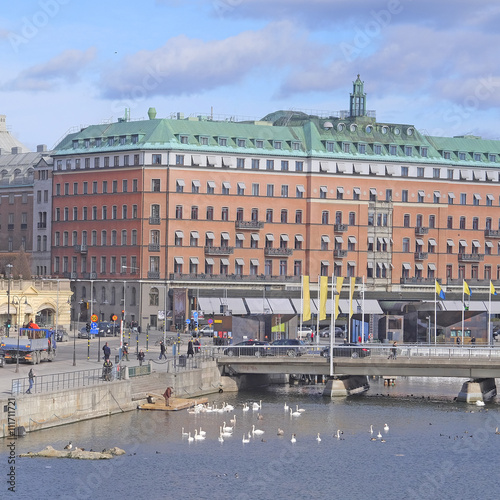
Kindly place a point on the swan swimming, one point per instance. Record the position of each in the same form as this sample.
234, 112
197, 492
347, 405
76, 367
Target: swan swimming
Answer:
202, 433
301, 410
479, 403
245, 407
386, 427
379, 435
286, 407
318, 439
295, 413
197, 436
371, 429
257, 431
257, 406
226, 429
293, 440
245, 440
185, 434
281, 432
190, 438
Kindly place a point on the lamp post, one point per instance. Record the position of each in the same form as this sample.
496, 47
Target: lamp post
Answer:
74, 332
18, 314
9, 269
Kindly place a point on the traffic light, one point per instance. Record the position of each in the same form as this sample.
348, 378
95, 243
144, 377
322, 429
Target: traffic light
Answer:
8, 323
123, 314
87, 327
466, 307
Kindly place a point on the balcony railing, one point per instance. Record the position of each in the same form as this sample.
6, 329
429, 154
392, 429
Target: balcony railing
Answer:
234, 277
421, 230
248, 224
154, 247
219, 250
492, 233
470, 257
154, 220
420, 255
339, 253
278, 252
417, 281
42, 225
154, 274
340, 228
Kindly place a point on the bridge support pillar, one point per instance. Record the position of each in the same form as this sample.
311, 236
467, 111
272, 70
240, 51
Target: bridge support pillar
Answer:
477, 390
346, 386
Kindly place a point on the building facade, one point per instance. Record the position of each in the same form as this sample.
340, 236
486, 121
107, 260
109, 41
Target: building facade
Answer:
143, 208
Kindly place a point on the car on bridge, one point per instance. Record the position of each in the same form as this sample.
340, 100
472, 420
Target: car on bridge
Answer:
248, 348
288, 347
347, 351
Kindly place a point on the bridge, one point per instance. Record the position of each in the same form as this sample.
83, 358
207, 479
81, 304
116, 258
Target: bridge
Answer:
475, 363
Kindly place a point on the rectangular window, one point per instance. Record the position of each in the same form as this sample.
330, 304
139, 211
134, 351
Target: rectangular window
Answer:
299, 166
393, 150
255, 189
259, 144
222, 141
269, 164
420, 171
377, 149
463, 198
155, 185
284, 165
270, 190
424, 151
284, 191
156, 159
408, 150
179, 159
362, 149
404, 195
255, 164
240, 162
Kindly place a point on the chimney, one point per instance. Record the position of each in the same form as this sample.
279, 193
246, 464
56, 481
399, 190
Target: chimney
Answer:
3, 125
17, 150
41, 148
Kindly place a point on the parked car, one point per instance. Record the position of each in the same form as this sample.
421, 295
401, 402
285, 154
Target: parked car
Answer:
62, 336
108, 329
83, 334
248, 348
304, 333
289, 347
347, 350
325, 332
205, 331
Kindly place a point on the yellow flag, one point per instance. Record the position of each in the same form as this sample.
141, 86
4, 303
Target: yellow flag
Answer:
340, 282
492, 289
466, 288
323, 293
353, 285
306, 306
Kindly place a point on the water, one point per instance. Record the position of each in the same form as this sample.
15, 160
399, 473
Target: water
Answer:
435, 449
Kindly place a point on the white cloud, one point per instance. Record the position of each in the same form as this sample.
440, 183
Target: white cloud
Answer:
65, 67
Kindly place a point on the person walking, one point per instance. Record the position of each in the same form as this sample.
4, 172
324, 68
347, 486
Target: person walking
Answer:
140, 357
197, 345
31, 378
163, 351
394, 350
125, 351
107, 351
190, 351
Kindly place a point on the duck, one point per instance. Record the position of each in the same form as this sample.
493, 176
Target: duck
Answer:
226, 428
318, 438
281, 432
373, 439
293, 440
260, 417
190, 438
382, 440
497, 431
386, 427
245, 440
257, 431
68, 446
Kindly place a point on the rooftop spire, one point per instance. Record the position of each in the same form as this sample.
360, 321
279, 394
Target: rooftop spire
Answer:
358, 99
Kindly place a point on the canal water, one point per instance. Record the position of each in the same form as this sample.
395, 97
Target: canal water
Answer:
435, 448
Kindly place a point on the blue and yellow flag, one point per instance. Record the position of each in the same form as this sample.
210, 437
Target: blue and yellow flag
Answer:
466, 288
439, 290
492, 289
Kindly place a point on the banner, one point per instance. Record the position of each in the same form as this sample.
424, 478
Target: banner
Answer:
340, 282
323, 294
439, 291
492, 289
306, 306
466, 288
352, 287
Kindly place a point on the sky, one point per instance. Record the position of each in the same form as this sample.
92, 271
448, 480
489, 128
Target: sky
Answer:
68, 63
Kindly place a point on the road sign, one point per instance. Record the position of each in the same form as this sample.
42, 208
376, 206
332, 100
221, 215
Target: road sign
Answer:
188, 321
94, 331
93, 325
210, 321
195, 315
94, 318
114, 317
161, 315
370, 336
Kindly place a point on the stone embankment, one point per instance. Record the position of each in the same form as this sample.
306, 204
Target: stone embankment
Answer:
79, 454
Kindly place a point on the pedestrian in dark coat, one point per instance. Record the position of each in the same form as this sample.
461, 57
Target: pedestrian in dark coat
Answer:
107, 351
140, 357
163, 352
190, 350
31, 377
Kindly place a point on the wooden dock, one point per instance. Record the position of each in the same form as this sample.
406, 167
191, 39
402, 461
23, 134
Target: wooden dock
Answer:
157, 402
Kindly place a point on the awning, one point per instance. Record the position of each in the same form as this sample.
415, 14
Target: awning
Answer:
196, 184
437, 194
3, 309
490, 197
431, 266
492, 176
323, 189
255, 237
450, 243
258, 305
338, 239
432, 242
299, 237
419, 241
324, 166
235, 305
284, 237
477, 196
194, 260
211, 184
495, 307
406, 266
195, 235
476, 243
386, 241
241, 185
179, 234
368, 306
325, 263
269, 237
297, 304
195, 159
240, 236
340, 190
373, 191
179, 260
224, 262
209, 305
420, 267
451, 195
370, 239
351, 263
227, 161
211, 160
180, 182
224, 236
240, 262
421, 192
254, 262
281, 306
209, 261
356, 190
369, 265
352, 239
458, 305
300, 188
226, 185
325, 238
463, 243
210, 235
488, 244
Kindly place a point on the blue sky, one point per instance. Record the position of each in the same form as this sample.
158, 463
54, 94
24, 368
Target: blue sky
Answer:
433, 64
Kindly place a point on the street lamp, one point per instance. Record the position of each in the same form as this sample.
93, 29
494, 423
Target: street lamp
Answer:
18, 314
9, 269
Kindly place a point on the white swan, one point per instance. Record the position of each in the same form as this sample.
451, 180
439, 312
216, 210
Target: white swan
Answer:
257, 406
293, 440
300, 410
258, 432
245, 440
198, 437
479, 403
318, 439
228, 408
371, 429
338, 434
386, 427
202, 433
286, 407
220, 438
184, 434
295, 413
190, 438
224, 433
379, 435
233, 420
245, 407
226, 428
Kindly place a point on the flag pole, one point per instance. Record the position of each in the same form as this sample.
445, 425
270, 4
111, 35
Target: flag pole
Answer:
319, 309
363, 311
489, 314
301, 301
463, 310
332, 326
435, 316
